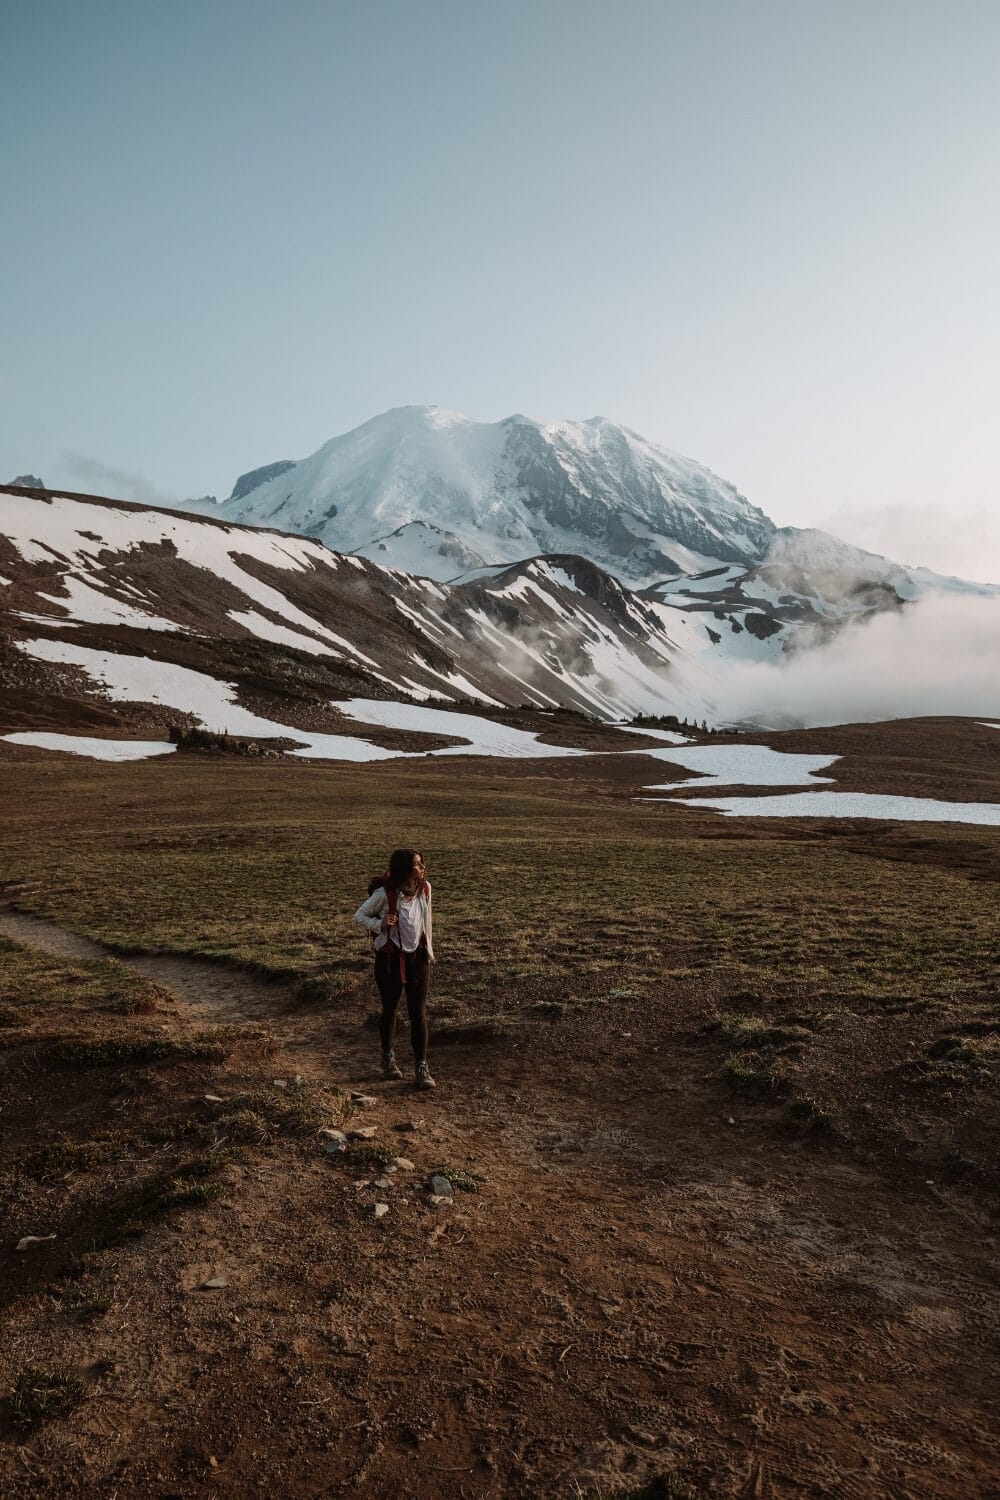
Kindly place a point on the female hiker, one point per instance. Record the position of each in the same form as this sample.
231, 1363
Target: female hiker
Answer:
398, 915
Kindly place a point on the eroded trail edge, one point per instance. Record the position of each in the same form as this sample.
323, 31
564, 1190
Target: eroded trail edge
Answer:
227, 991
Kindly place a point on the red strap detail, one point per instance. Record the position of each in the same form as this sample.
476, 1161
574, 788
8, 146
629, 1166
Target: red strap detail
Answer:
392, 896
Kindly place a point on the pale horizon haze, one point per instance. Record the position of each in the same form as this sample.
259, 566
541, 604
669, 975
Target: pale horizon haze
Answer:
765, 235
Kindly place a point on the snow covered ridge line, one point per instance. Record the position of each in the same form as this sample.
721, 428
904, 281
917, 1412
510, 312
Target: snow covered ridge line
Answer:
734, 644
548, 634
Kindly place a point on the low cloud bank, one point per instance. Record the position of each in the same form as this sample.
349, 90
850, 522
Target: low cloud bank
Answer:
101, 478
940, 655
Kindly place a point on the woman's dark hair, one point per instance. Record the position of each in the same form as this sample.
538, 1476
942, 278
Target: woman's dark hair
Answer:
400, 865
399, 871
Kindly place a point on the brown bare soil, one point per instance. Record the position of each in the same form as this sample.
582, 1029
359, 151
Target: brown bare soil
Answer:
726, 1091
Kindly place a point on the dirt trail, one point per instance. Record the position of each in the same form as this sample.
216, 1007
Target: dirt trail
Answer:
640, 1288
227, 992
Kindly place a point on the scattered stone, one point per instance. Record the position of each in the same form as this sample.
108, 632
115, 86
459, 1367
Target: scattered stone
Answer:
334, 1141
280, 1083
403, 1163
362, 1182
362, 1132
365, 1101
440, 1186
436, 1233
380, 1210
214, 1284
438, 1200
213, 1461
299, 1080
214, 1099
730, 1120
382, 1182
33, 1239
405, 1126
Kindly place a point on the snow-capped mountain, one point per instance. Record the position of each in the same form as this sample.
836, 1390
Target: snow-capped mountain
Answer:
430, 491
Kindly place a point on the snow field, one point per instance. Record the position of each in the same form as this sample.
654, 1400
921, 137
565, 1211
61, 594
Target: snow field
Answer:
849, 805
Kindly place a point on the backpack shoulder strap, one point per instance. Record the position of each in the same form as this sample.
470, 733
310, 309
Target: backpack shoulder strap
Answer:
392, 896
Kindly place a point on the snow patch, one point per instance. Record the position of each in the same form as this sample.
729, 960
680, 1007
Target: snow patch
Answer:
848, 805
94, 749
742, 765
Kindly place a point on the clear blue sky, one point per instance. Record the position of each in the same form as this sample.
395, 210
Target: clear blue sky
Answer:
763, 233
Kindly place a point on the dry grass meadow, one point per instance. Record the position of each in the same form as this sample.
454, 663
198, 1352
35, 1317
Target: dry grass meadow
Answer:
719, 1098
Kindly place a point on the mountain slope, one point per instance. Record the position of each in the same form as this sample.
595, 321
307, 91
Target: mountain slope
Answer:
295, 625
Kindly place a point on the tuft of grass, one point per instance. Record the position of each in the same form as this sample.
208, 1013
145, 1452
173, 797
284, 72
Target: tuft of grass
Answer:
39, 1395
805, 1110
296, 1110
459, 1177
118, 1052
366, 1156
81, 1304
748, 1073
245, 1125
61, 1157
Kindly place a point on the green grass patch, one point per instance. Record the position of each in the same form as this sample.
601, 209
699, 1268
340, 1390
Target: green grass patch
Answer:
749, 1073
40, 1395
806, 1111
460, 1177
130, 1052
190, 1184
61, 1157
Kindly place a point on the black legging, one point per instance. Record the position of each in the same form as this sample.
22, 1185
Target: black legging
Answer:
390, 987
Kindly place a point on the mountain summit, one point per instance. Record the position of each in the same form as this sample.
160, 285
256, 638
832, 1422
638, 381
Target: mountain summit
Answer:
432, 492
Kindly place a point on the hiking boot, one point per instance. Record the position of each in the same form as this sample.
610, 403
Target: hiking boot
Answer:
423, 1079
390, 1067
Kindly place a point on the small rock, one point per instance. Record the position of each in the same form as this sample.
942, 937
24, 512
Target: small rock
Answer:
364, 1100
299, 1079
383, 1182
362, 1182
214, 1284
213, 1461
362, 1132
440, 1186
730, 1120
438, 1200
33, 1239
405, 1126
436, 1233
280, 1083
403, 1163
334, 1142
214, 1099
380, 1210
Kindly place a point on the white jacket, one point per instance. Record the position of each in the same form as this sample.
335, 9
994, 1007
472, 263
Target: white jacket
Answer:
371, 912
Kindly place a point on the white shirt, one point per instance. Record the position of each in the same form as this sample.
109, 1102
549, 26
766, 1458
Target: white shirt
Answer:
414, 915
